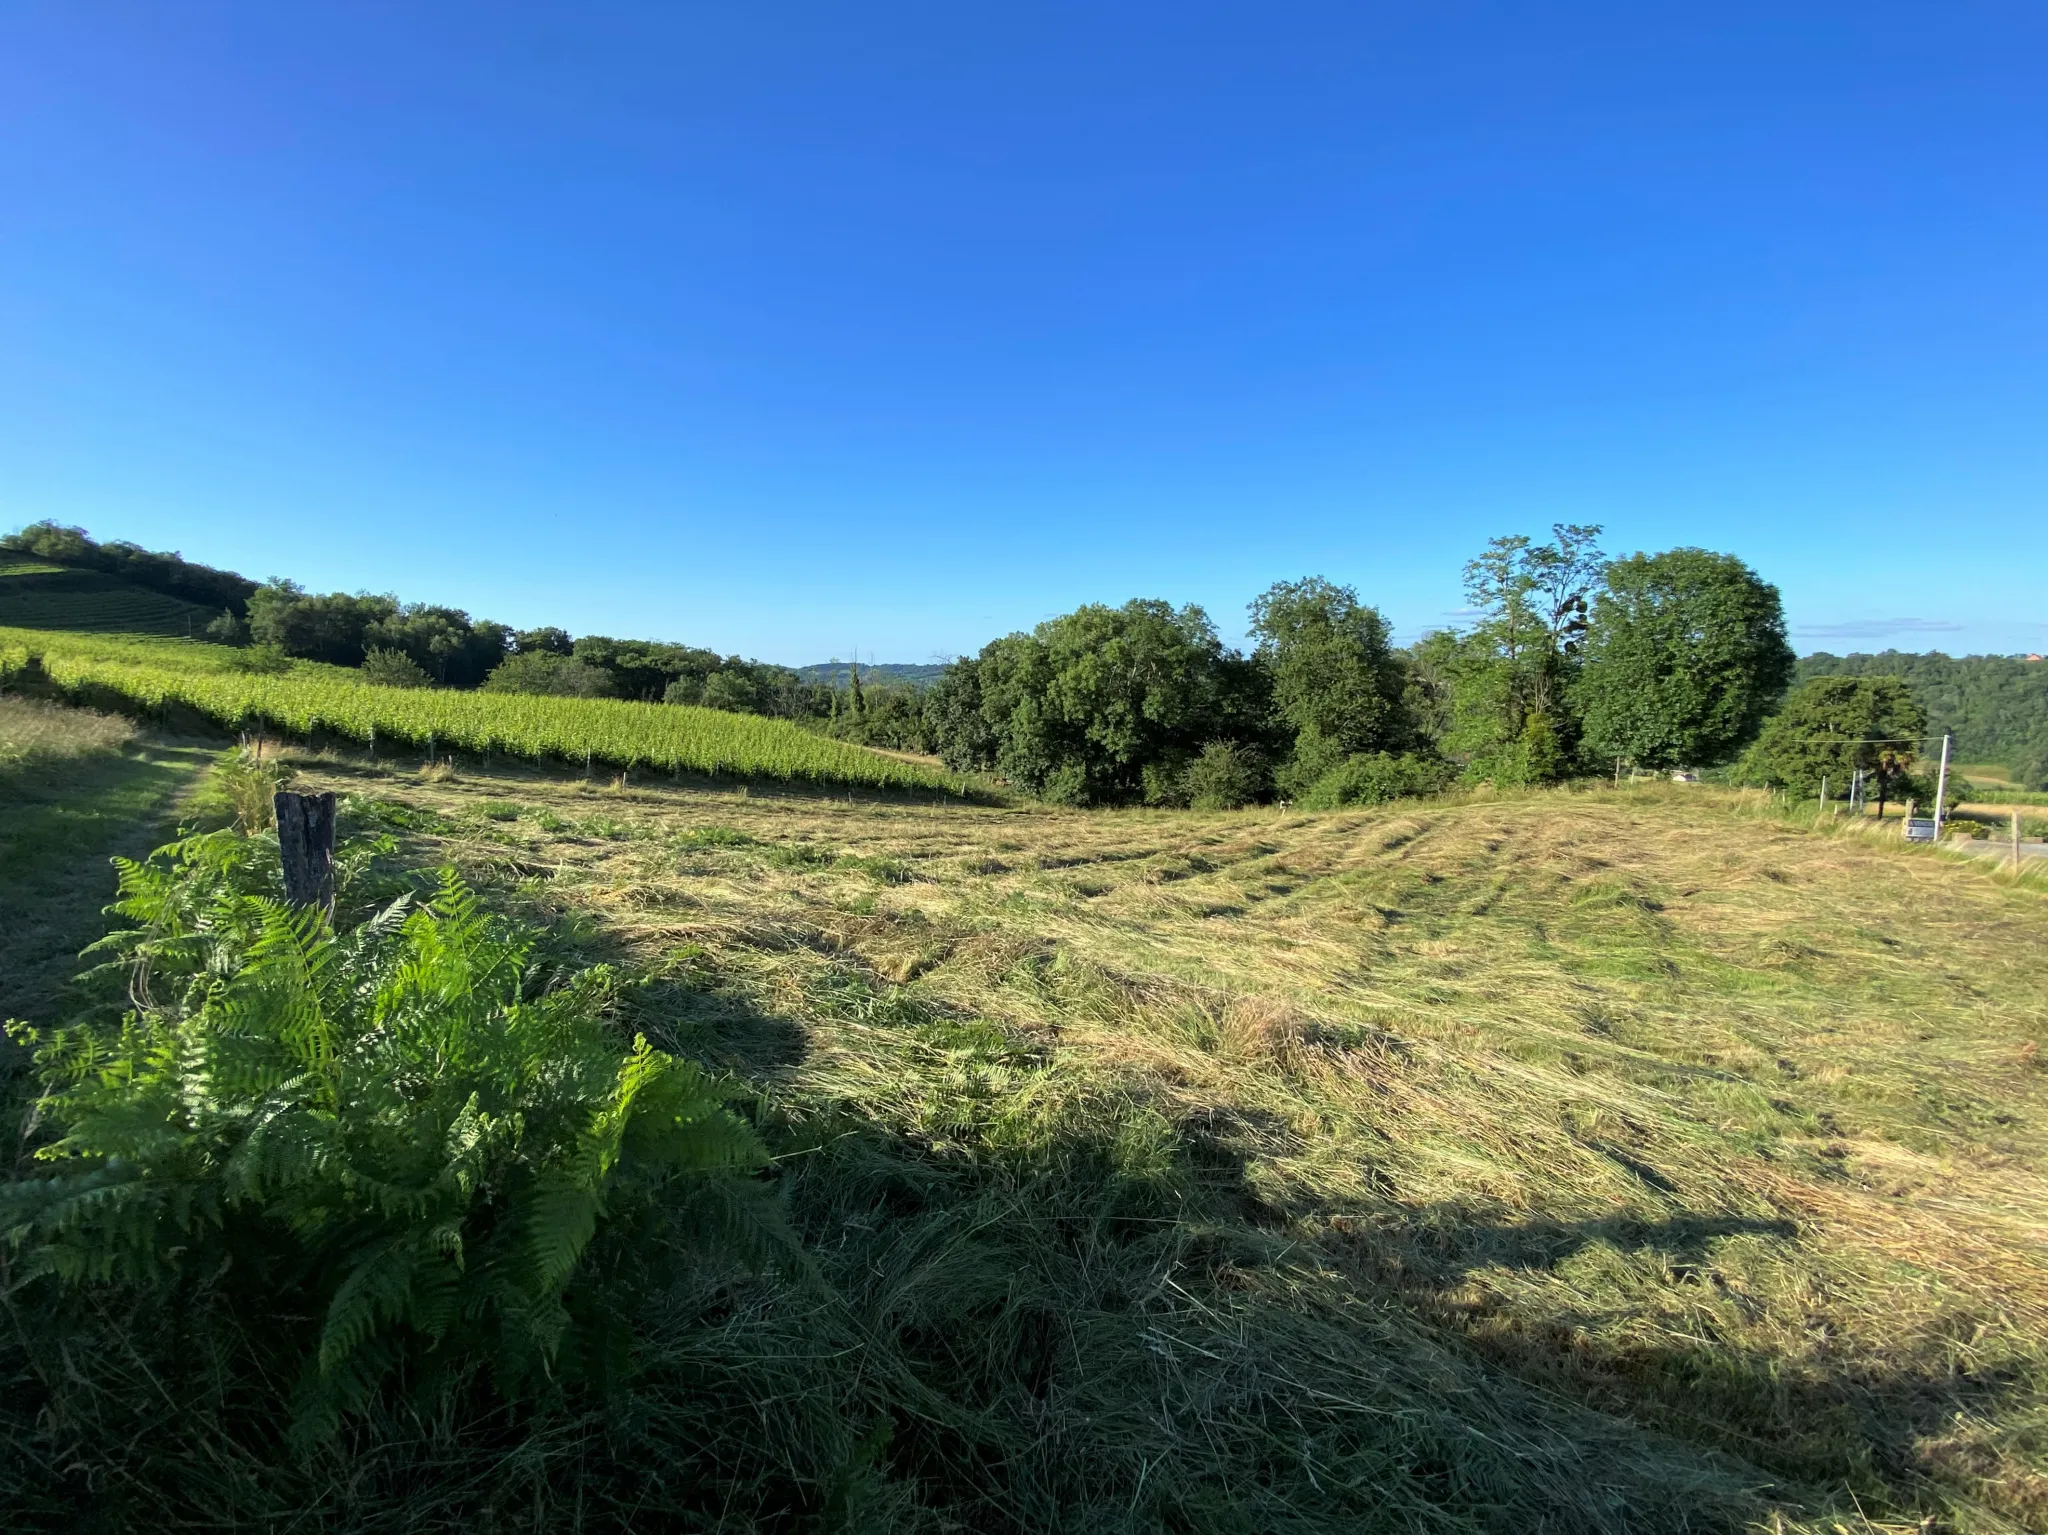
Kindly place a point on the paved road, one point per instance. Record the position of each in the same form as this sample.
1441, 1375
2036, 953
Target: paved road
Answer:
2000, 848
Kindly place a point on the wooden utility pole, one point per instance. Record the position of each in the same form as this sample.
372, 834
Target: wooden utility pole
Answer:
305, 844
2015, 842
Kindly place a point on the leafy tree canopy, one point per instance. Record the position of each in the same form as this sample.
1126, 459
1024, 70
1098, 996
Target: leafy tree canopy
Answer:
545, 672
1079, 709
1506, 680
1830, 727
1997, 706
1685, 653
394, 669
1334, 676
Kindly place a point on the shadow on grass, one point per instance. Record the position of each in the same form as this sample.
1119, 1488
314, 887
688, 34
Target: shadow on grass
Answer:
60, 823
1652, 1331
1044, 1301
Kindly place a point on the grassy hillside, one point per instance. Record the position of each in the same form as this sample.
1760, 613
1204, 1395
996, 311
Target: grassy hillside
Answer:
309, 699
1620, 1161
836, 673
35, 594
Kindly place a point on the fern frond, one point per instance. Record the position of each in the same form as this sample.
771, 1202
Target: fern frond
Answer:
397, 1124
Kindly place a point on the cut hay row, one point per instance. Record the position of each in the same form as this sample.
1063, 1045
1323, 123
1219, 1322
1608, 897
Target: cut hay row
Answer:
311, 700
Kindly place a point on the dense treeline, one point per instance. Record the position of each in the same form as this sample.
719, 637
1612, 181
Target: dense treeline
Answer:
428, 645
1997, 706
1574, 662
170, 574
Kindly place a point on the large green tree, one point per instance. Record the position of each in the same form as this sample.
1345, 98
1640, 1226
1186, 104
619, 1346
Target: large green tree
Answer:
547, 672
1335, 679
1833, 727
335, 628
1507, 679
1685, 654
1100, 706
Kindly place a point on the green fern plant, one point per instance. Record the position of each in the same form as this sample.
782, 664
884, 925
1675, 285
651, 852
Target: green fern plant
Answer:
403, 1131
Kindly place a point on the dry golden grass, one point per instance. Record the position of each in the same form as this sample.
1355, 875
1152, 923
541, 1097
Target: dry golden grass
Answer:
32, 731
1730, 1128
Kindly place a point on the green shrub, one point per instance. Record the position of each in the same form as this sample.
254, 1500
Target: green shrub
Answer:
393, 1134
1225, 776
394, 669
1374, 778
544, 672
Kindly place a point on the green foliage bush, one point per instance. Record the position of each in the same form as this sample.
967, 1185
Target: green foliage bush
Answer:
1335, 679
404, 1134
1376, 777
1225, 776
545, 673
342, 629
1500, 692
890, 715
227, 629
1832, 727
394, 669
1079, 709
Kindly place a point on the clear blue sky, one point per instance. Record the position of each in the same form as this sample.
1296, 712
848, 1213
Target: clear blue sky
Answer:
794, 328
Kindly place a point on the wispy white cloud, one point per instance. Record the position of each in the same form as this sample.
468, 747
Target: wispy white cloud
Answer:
1877, 628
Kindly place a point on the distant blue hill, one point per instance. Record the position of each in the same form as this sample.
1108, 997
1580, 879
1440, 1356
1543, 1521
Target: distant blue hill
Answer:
834, 672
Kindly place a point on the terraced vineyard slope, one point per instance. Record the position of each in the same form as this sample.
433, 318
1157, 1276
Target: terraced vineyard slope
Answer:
38, 595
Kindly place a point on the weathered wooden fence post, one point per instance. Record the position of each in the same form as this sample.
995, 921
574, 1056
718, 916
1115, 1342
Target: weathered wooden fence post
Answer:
305, 840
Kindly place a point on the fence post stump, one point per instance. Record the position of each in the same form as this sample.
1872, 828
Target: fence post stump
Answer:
305, 841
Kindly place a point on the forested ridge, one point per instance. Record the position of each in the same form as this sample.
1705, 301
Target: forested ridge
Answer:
1574, 662
1996, 705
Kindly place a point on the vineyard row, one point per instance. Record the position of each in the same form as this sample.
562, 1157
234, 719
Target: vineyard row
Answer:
311, 700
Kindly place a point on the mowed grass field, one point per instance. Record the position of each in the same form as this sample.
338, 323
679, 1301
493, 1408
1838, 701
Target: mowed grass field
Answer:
1624, 1160
1611, 1161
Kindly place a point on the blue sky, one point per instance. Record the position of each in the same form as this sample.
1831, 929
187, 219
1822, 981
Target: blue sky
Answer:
791, 329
